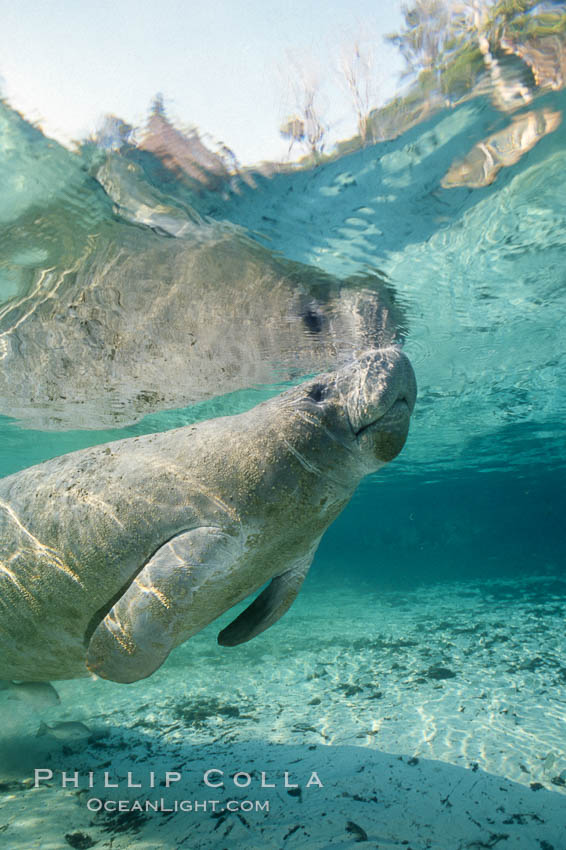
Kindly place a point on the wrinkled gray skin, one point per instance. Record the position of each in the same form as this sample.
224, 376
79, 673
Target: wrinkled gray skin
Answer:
141, 323
114, 555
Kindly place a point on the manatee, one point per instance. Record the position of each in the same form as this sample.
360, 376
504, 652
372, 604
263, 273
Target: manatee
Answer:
133, 322
111, 556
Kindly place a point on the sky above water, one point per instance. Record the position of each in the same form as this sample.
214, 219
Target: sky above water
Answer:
226, 67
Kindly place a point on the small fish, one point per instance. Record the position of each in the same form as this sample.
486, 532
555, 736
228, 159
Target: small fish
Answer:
40, 694
66, 730
357, 831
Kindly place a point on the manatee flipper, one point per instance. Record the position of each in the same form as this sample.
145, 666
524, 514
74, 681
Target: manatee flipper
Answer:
269, 606
150, 618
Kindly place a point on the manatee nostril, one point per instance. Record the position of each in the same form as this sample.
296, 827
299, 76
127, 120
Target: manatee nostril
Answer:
313, 321
317, 393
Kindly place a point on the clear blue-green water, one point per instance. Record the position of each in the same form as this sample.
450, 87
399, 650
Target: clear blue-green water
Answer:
431, 625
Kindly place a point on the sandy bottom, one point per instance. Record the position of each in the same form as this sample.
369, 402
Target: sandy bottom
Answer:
434, 718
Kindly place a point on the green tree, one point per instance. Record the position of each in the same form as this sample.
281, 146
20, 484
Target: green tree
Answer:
482, 23
422, 40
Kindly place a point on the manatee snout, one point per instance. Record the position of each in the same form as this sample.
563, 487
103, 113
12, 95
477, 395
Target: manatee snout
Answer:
381, 401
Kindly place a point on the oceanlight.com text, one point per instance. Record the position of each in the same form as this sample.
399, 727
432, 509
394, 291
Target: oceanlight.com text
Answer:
95, 804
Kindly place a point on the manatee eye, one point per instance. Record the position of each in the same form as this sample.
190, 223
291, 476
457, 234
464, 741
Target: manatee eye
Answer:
313, 321
317, 393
